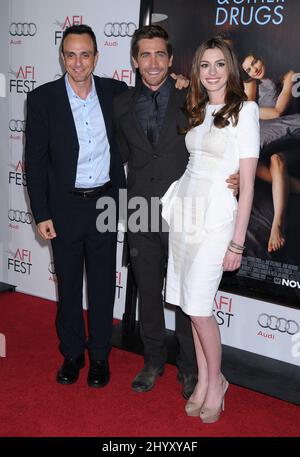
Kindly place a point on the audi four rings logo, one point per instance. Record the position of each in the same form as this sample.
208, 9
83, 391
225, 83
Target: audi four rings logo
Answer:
278, 323
22, 29
122, 29
16, 215
16, 125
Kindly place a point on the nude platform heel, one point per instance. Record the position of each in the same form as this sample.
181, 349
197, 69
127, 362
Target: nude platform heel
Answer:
211, 415
192, 408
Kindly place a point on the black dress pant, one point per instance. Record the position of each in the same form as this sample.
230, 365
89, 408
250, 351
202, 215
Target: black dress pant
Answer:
79, 243
148, 253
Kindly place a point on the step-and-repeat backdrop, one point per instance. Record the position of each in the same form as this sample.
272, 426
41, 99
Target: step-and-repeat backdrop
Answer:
30, 34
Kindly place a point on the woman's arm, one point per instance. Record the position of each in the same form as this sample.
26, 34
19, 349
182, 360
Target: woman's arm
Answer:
283, 99
248, 144
247, 176
250, 88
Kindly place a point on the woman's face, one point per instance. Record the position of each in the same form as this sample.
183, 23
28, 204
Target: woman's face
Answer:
254, 67
214, 71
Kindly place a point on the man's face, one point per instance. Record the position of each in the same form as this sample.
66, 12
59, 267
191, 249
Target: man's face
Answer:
153, 62
78, 57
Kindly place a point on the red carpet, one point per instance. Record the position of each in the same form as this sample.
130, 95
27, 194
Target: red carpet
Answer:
33, 404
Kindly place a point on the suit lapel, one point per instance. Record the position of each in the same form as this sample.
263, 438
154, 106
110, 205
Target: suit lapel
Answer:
167, 129
105, 97
134, 119
64, 109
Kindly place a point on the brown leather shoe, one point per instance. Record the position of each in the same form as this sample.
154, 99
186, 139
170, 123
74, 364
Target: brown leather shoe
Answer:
188, 382
145, 379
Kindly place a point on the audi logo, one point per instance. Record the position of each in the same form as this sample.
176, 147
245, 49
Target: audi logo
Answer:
122, 29
51, 268
16, 215
278, 323
16, 125
22, 29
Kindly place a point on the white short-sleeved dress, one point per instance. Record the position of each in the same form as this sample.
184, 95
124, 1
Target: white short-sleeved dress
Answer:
200, 210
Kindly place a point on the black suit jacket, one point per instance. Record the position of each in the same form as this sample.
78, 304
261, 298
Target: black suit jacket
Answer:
151, 170
51, 151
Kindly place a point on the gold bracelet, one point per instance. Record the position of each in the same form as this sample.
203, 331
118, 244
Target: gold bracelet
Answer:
237, 246
234, 244
237, 253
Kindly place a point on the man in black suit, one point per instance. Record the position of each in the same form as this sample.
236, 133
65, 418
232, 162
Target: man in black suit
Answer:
148, 118
156, 157
71, 160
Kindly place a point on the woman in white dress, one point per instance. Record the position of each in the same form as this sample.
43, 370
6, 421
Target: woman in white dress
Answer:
207, 227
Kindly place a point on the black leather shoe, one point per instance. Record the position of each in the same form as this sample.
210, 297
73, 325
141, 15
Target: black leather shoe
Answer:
145, 378
98, 373
188, 382
69, 371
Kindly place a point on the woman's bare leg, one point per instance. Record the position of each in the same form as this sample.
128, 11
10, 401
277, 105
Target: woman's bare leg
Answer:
280, 191
277, 175
208, 348
200, 390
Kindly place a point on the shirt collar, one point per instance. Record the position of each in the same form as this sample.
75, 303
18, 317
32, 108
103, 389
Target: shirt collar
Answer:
163, 90
71, 92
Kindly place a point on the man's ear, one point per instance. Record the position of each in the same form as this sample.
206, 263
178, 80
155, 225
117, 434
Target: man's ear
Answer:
96, 58
135, 64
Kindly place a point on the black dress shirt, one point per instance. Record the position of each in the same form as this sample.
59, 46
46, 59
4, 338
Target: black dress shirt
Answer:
144, 105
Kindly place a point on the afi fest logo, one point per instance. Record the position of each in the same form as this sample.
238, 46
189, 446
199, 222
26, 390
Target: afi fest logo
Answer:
67, 22
124, 74
23, 80
18, 175
20, 262
223, 309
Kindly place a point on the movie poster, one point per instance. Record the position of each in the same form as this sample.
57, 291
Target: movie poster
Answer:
264, 34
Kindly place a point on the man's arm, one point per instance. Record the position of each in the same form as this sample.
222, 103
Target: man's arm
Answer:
36, 158
123, 146
46, 230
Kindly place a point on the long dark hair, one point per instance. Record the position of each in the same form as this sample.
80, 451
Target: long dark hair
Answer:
197, 97
277, 82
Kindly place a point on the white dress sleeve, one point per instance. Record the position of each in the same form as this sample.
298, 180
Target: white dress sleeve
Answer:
248, 137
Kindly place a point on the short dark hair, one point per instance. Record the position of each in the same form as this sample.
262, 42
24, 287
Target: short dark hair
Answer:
79, 30
149, 32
